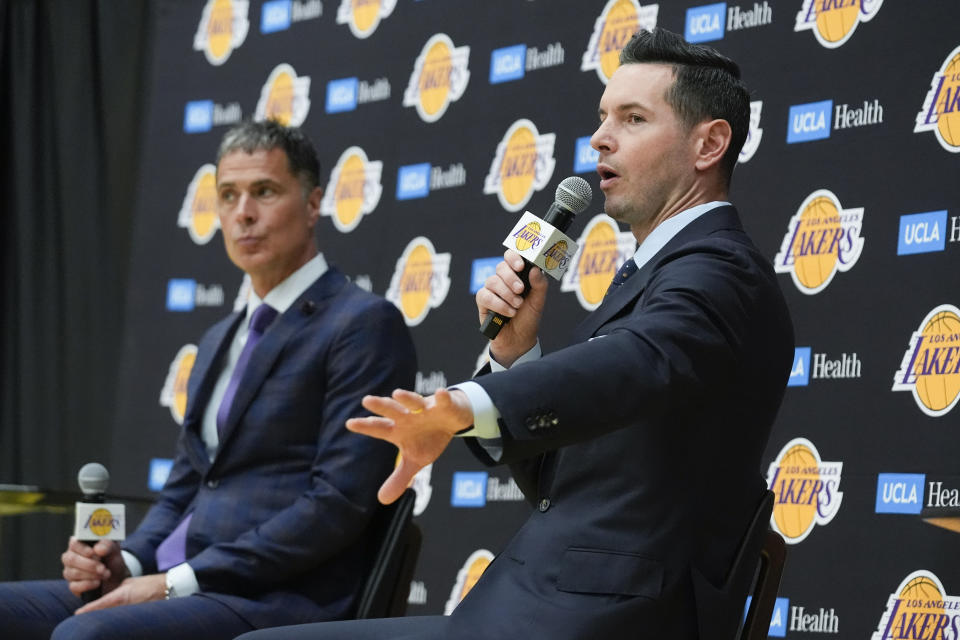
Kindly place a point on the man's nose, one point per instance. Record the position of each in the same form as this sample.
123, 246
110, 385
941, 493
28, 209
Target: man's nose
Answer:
601, 140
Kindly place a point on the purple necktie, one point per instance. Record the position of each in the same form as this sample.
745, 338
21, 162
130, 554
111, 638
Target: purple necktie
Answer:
173, 550
626, 270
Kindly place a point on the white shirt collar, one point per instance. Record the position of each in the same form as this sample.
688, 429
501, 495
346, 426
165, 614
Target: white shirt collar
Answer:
666, 230
286, 293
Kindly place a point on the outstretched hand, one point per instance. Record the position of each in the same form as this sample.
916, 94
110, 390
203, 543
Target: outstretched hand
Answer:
420, 427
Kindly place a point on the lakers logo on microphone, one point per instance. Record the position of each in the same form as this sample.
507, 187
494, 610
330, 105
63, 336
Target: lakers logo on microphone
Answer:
174, 392
822, 239
440, 76
834, 21
198, 213
364, 16
618, 21
920, 609
930, 369
603, 248
421, 280
223, 27
807, 490
284, 97
354, 189
523, 164
467, 577
941, 108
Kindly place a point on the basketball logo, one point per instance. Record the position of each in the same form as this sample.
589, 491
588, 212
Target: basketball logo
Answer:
941, 108
931, 364
354, 189
528, 237
523, 164
807, 490
754, 133
284, 98
467, 577
822, 239
420, 281
834, 21
223, 27
198, 213
603, 248
919, 608
618, 21
173, 395
555, 256
440, 76
101, 522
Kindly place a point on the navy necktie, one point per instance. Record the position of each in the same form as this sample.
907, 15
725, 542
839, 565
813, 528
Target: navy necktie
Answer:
626, 270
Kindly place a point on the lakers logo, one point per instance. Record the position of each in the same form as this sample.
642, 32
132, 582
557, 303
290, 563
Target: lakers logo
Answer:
174, 392
528, 236
198, 214
919, 609
556, 256
941, 109
931, 364
754, 133
440, 76
101, 522
617, 23
822, 239
223, 27
603, 247
284, 98
834, 21
354, 189
807, 490
523, 164
421, 280
467, 577
364, 16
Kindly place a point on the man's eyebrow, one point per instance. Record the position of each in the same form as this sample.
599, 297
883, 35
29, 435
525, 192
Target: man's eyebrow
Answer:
626, 106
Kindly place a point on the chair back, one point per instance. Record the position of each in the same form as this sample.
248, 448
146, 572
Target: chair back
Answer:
767, 545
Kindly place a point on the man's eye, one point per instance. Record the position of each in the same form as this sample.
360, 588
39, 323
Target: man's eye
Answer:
227, 196
636, 118
265, 192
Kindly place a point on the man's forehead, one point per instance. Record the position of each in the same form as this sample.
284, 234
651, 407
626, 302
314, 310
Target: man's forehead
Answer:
640, 82
247, 165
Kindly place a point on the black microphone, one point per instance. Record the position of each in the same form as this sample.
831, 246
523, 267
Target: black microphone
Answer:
96, 520
550, 250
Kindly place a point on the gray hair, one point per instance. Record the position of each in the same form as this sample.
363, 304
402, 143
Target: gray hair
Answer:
268, 135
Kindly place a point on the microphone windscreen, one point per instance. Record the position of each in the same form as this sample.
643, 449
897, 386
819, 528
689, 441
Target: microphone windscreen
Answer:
574, 193
93, 478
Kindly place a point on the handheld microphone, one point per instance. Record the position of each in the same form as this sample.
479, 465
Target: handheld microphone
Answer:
542, 243
95, 519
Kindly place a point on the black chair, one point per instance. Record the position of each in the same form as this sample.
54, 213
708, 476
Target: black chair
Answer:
387, 587
767, 545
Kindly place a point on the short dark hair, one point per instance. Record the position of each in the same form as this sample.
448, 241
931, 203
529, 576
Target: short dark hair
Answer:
706, 84
252, 136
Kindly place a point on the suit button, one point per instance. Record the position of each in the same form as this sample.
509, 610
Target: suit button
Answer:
213, 484
544, 504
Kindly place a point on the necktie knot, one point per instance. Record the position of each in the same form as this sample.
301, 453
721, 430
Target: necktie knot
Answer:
262, 317
626, 270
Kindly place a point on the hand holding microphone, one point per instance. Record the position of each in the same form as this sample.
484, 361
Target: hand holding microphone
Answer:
95, 521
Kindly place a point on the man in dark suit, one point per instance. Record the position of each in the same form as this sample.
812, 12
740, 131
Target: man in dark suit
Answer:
640, 444
263, 518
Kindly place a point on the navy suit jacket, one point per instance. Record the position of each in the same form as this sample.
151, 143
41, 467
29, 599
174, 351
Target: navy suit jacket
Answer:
279, 515
640, 448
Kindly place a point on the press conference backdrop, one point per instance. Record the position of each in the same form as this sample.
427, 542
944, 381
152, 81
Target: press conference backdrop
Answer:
439, 122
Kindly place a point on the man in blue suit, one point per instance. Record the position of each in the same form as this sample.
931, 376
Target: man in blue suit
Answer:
263, 520
639, 445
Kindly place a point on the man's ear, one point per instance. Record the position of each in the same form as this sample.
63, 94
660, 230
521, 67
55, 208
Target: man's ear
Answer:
313, 204
712, 141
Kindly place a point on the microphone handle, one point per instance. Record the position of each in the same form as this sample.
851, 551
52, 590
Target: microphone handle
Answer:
92, 594
494, 321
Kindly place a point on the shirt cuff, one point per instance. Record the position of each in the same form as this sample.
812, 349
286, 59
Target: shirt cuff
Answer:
534, 354
133, 563
182, 581
485, 414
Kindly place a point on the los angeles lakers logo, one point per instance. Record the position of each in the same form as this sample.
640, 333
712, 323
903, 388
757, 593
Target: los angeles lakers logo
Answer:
523, 164
284, 97
556, 256
754, 133
618, 21
467, 577
822, 239
807, 490
941, 109
440, 76
421, 280
198, 214
364, 16
354, 189
223, 27
527, 237
919, 609
834, 21
603, 247
174, 392
101, 522
931, 364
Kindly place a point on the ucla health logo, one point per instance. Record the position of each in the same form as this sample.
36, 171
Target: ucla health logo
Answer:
930, 369
418, 180
603, 248
822, 239
919, 609
420, 281
364, 16
198, 213
480, 270
807, 490
834, 21
469, 489
754, 133
173, 395
284, 97
585, 157
922, 233
277, 15
900, 492
941, 108
618, 21
440, 76
354, 189
523, 164
223, 27
705, 23
809, 121
511, 63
